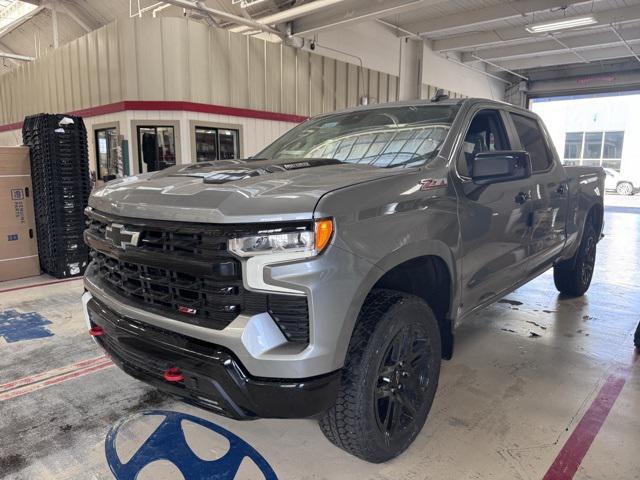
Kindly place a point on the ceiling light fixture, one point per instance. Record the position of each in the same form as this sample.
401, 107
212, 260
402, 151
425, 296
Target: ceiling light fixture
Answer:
564, 24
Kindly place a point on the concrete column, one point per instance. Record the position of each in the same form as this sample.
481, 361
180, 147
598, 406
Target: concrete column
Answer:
410, 84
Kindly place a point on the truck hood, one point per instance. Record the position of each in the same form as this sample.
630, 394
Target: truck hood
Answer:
232, 191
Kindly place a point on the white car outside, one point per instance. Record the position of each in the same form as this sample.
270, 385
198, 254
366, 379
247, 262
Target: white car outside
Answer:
620, 184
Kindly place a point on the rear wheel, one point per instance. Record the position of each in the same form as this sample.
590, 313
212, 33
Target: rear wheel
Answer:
636, 338
389, 379
573, 277
624, 188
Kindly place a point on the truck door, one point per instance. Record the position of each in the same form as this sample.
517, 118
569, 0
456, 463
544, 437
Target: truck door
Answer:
550, 193
493, 217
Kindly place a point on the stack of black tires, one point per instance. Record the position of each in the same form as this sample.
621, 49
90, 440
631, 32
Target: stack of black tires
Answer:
61, 187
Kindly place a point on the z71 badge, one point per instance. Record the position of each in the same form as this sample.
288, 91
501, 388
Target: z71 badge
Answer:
430, 183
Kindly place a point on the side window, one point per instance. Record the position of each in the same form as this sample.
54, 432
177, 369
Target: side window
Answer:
532, 141
485, 134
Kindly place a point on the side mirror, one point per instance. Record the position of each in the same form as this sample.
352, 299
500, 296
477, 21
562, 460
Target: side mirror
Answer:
505, 166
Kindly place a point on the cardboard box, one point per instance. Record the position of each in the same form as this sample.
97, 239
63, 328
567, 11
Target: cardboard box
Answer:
18, 244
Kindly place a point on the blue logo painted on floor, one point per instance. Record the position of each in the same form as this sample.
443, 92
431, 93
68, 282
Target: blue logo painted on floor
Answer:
16, 326
168, 442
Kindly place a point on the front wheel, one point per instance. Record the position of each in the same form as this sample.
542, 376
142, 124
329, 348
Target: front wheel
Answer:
389, 378
573, 277
624, 188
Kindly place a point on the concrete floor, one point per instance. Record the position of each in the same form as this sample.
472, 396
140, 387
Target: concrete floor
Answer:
532, 379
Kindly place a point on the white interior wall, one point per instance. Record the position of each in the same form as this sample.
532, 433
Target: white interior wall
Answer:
378, 48
256, 133
10, 138
446, 74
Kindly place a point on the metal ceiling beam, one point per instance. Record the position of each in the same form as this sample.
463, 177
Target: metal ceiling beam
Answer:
13, 56
54, 22
605, 67
353, 11
595, 55
69, 9
19, 21
472, 41
480, 16
5, 48
499, 67
398, 30
200, 7
550, 46
292, 13
625, 42
475, 69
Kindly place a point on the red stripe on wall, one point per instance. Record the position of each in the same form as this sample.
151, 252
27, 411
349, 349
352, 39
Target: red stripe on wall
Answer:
135, 105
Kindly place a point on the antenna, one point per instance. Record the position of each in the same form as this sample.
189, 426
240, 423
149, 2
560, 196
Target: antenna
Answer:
439, 95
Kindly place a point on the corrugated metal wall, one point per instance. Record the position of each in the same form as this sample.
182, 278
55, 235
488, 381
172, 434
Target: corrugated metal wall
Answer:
174, 58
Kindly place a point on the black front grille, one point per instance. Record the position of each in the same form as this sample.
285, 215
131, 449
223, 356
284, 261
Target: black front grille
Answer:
207, 301
185, 271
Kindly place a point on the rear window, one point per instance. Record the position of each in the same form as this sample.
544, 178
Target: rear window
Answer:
532, 141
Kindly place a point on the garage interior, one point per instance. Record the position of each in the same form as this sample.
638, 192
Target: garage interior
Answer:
540, 385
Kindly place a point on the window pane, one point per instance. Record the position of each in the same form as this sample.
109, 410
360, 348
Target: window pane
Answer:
613, 145
573, 145
228, 144
591, 163
592, 145
157, 148
107, 153
532, 141
206, 144
614, 164
486, 133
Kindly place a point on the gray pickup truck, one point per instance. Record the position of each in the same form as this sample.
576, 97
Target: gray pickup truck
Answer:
325, 276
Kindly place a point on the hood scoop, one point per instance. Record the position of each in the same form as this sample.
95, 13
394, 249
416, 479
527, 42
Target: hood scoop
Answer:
260, 168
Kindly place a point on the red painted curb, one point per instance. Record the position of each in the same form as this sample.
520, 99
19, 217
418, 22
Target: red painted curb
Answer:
577, 445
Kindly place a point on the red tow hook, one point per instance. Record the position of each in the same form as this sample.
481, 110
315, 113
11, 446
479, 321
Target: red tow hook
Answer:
173, 375
96, 331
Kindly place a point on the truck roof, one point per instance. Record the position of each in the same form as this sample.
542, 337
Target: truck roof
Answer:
409, 103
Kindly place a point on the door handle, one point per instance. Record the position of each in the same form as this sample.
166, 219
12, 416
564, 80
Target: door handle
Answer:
523, 197
562, 189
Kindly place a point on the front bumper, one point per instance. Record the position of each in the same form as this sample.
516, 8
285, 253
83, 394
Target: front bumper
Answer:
213, 377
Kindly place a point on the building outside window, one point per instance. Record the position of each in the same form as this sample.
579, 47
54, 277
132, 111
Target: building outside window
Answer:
106, 142
594, 149
156, 148
216, 143
573, 146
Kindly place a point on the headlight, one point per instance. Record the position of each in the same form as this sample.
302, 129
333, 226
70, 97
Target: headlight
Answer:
304, 242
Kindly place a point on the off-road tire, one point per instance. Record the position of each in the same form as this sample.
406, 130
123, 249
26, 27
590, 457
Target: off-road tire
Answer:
636, 337
573, 276
624, 188
354, 422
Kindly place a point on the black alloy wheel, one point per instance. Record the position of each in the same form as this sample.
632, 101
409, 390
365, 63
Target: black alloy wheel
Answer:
389, 378
403, 378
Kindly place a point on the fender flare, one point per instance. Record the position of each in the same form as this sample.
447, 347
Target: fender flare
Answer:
423, 248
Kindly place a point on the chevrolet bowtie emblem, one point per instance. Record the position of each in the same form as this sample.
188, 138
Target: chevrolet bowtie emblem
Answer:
121, 237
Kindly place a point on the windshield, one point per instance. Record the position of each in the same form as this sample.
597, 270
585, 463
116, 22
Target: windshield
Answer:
381, 137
